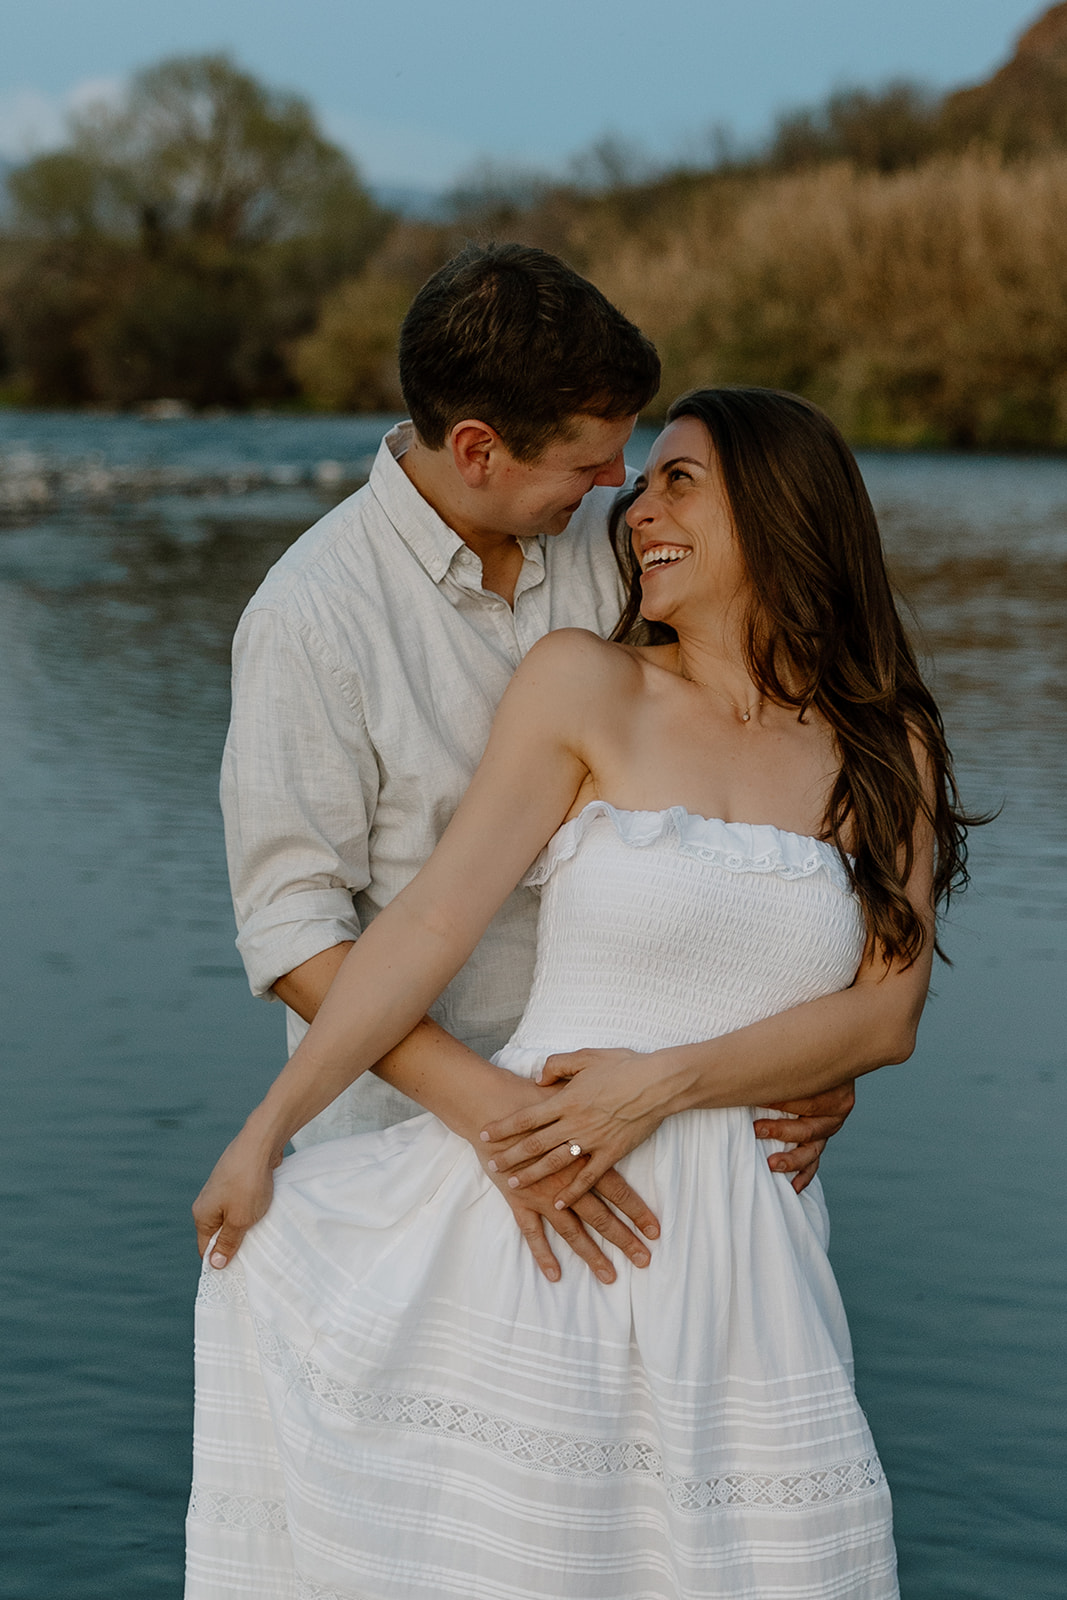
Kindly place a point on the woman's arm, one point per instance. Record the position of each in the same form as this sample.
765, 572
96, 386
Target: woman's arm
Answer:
526, 782
617, 1098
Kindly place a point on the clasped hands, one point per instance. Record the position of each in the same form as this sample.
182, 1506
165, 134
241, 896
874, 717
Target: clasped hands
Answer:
610, 1102
602, 1100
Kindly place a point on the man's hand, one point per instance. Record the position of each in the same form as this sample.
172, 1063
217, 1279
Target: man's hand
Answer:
536, 1205
464, 1090
807, 1125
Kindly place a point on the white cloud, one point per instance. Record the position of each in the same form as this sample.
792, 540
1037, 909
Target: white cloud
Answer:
32, 121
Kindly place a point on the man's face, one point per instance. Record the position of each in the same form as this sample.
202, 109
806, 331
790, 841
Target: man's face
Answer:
532, 497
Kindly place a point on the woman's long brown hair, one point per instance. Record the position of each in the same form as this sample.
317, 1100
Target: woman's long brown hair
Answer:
823, 633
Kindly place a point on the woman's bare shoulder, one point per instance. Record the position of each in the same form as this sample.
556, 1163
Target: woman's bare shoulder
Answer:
578, 655
572, 683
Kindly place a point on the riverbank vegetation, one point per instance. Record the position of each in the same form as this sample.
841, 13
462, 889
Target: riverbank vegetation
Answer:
177, 245
897, 256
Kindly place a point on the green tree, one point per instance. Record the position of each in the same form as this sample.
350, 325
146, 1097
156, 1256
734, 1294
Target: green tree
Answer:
186, 236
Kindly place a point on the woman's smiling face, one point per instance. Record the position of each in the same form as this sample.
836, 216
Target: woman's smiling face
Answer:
681, 527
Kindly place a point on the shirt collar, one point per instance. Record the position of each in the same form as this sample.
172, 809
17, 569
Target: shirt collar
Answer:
429, 538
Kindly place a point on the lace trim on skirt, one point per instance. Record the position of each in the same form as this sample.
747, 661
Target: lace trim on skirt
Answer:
570, 1455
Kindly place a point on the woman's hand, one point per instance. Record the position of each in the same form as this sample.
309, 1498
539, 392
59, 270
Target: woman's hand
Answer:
610, 1105
238, 1192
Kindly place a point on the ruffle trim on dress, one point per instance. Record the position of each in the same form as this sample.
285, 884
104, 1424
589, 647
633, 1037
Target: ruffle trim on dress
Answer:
740, 847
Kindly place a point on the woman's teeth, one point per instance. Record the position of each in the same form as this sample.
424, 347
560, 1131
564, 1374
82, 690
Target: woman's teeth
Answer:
661, 556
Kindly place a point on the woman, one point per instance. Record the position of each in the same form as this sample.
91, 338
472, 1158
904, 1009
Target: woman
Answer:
391, 1400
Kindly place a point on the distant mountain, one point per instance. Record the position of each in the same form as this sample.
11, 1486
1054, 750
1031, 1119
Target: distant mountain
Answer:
1023, 107
5, 201
408, 200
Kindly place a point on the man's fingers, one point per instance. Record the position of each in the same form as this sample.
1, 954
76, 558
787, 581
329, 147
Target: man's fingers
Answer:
833, 1104
800, 1159
797, 1130
804, 1177
592, 1211
533, 1231
569, 1228
585, 1180
614, 1188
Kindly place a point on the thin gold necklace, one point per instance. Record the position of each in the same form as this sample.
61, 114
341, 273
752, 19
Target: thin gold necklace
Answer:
743, 714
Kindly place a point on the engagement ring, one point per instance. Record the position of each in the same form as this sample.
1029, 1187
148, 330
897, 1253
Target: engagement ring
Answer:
575, 1149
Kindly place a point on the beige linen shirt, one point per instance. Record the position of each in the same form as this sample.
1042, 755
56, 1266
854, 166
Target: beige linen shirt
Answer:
366, 671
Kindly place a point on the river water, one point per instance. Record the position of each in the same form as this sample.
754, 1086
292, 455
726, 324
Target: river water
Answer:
132, 1048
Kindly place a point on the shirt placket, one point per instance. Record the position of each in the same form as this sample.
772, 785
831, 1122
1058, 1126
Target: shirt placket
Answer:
530, 612
518, 626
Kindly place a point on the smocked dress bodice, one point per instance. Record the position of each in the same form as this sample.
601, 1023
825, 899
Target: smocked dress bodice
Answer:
660, 927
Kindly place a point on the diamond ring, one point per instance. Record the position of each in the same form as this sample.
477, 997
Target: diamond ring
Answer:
574, 1148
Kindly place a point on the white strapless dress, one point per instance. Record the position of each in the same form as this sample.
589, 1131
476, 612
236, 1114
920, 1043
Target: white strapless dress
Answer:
394, 1404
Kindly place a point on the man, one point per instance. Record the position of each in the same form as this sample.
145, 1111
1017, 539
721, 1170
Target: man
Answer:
369, 664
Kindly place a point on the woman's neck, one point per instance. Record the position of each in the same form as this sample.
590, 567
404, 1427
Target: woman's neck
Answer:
716, 661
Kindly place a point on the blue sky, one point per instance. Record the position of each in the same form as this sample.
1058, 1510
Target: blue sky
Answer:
422, 91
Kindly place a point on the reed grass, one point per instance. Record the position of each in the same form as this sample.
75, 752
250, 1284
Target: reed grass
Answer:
924, 307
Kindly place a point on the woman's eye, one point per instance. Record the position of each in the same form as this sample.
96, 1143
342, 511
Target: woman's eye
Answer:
677, 473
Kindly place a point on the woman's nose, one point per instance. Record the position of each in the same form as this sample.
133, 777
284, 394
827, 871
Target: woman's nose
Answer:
638, 510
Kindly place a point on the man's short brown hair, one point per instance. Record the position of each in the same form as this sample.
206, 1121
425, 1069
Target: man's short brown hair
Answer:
513, 336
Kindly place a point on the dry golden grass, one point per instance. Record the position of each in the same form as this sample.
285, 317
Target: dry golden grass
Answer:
924, 307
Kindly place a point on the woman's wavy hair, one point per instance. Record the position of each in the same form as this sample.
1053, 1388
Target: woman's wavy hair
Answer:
823, 632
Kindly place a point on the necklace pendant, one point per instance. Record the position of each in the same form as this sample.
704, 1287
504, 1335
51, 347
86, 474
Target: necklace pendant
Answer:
746, 716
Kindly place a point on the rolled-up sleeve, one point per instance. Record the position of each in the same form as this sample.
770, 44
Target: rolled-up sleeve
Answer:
299, 783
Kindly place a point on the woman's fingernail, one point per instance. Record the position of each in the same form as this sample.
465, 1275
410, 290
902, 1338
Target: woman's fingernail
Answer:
605, 1276
651, 1231
641, 1259
484, 1135
513, 1183
561, 1205
218, 1259
552, 1274
493, 1167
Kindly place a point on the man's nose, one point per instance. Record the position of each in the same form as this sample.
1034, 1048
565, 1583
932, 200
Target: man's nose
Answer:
614, 474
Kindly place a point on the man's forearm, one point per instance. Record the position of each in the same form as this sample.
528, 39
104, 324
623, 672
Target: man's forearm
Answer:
305, 988
430, 1066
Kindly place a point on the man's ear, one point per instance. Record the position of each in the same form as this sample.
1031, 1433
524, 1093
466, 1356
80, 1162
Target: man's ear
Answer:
473, 445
